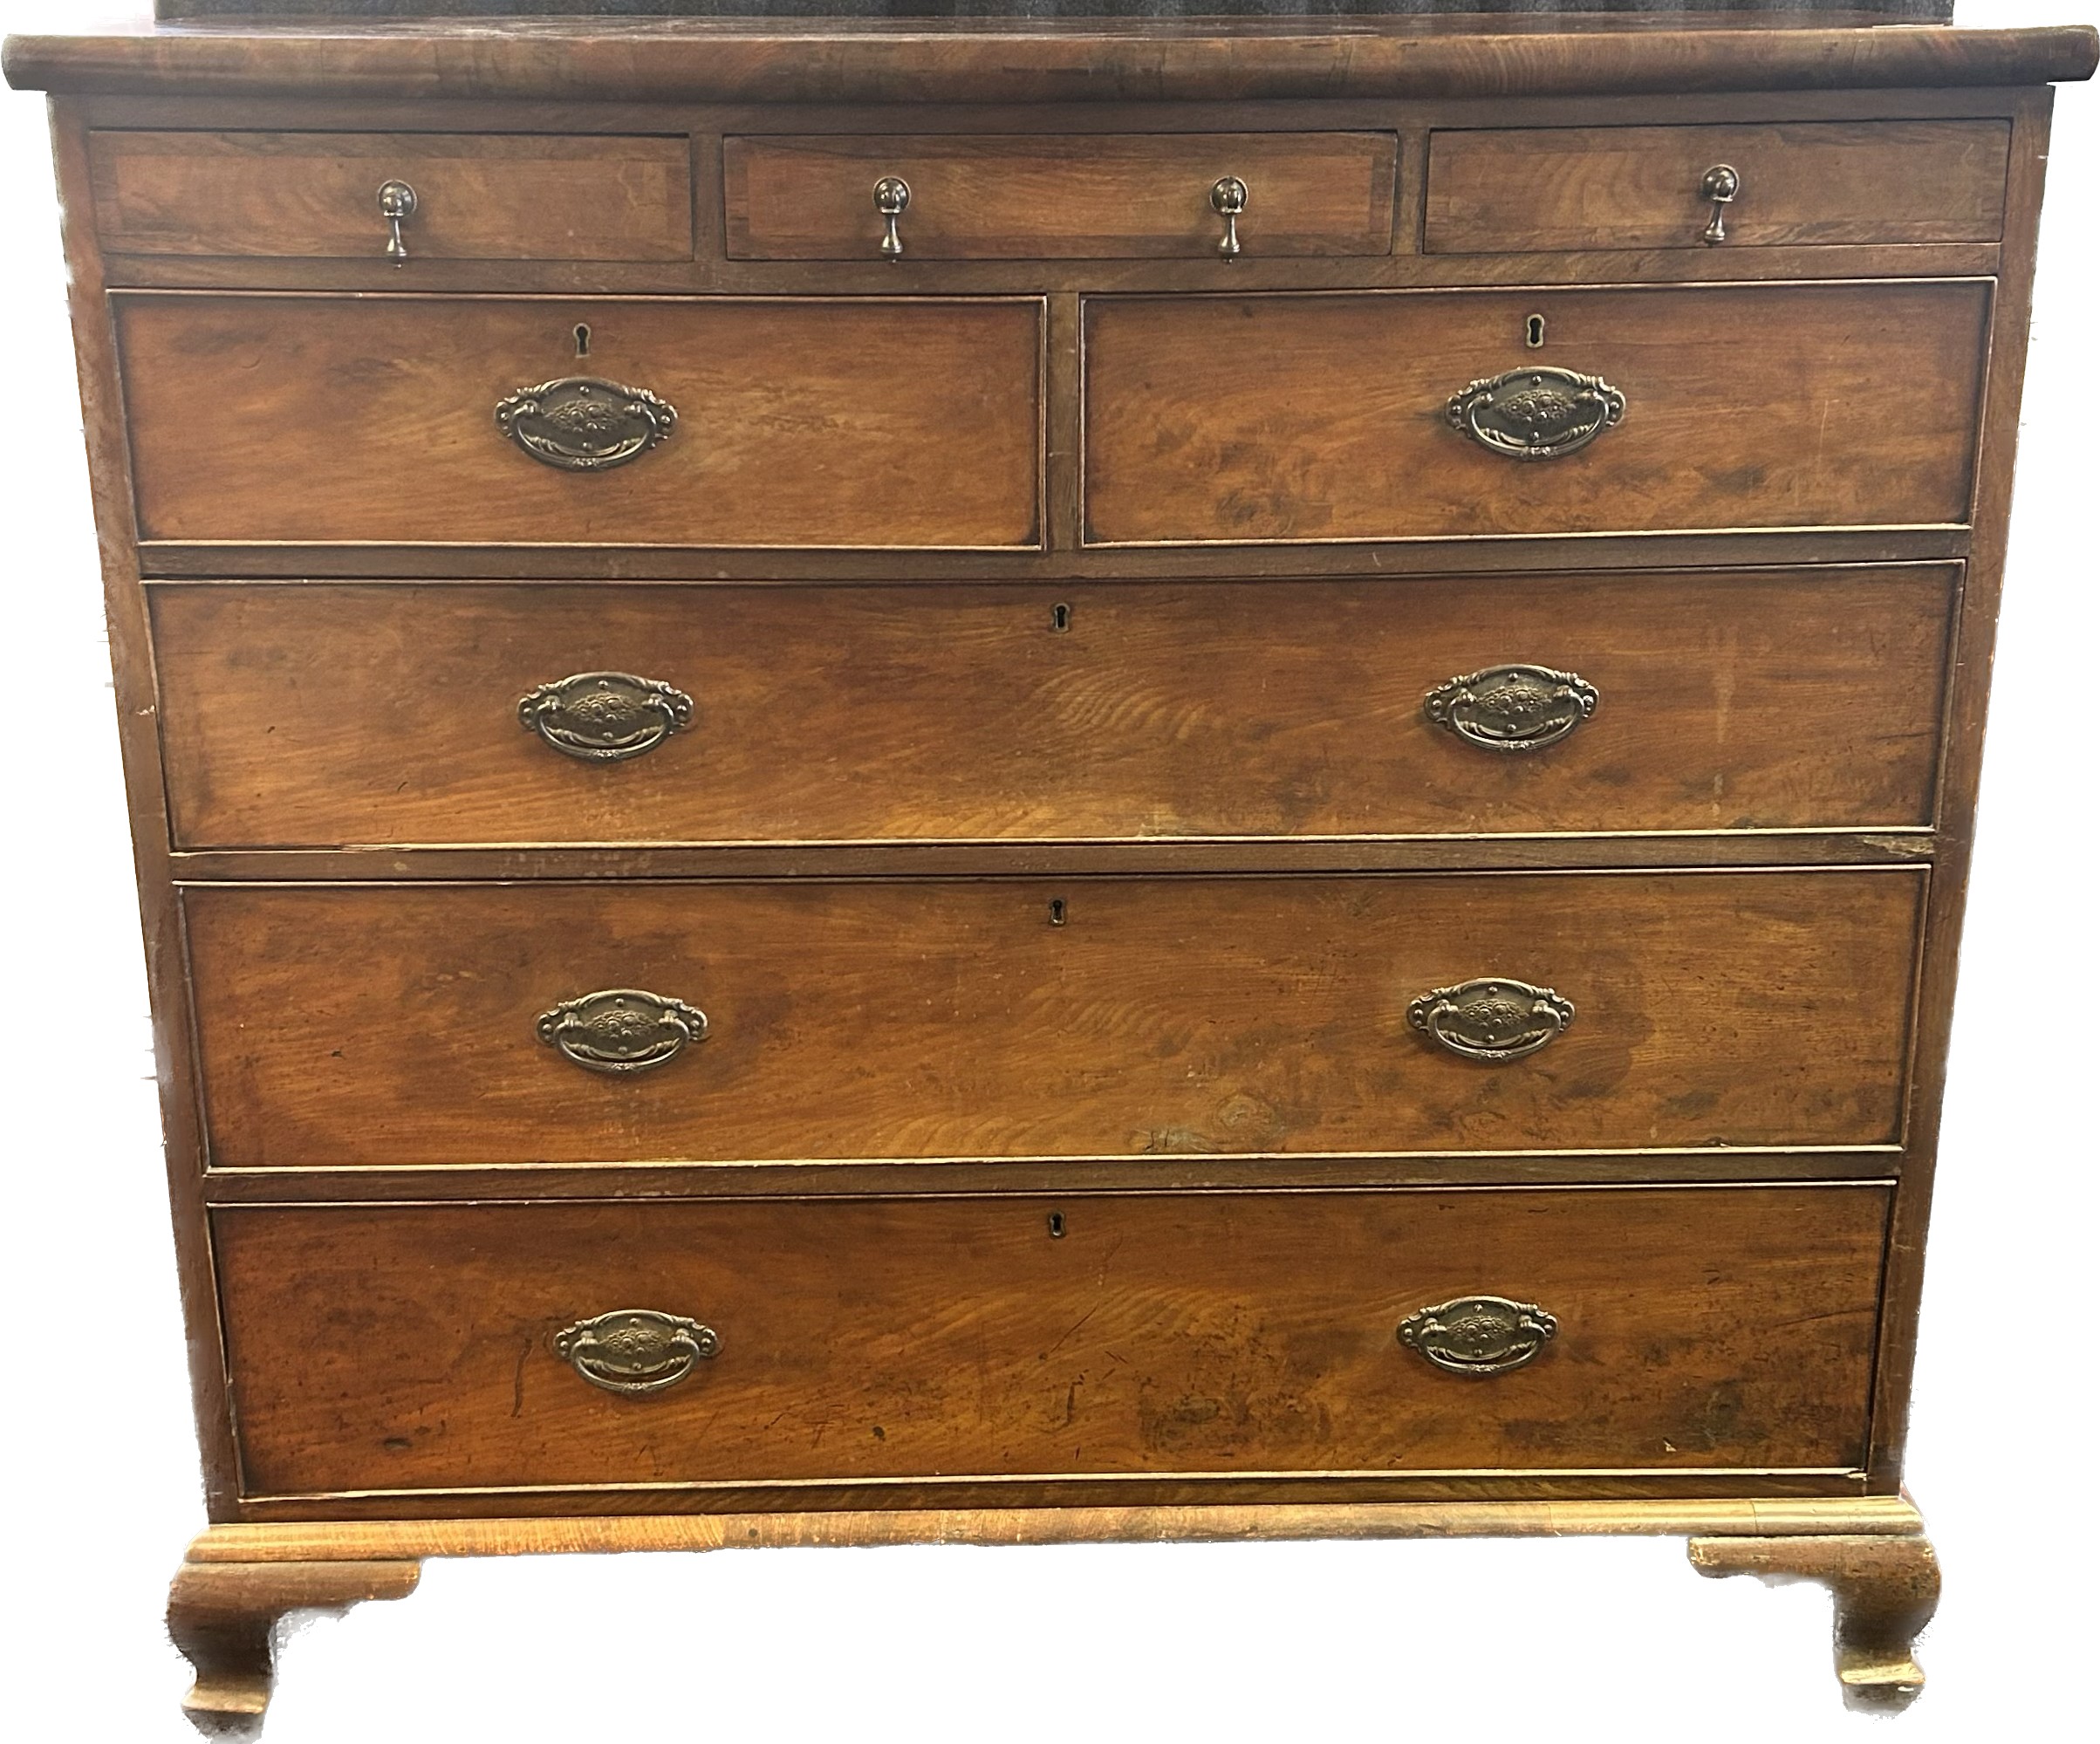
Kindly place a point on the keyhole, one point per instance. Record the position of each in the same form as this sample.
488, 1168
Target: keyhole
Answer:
1535, 330
582, 340
1057, 911
1060, 619
1056, 1226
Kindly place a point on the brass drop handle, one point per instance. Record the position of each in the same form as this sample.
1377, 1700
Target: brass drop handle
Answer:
397, 206
636, 1351
605, 717
622, 1030
1478, 1334
1536, 413
1512, 708
892, 196
1491, 1019
1228, 201
1720, 185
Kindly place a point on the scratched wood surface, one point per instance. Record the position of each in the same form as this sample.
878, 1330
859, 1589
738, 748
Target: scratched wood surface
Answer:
1001, 196
803, 421
501, 196
322, 716
411, 1347
1507, 190
389, 1026
1323, 417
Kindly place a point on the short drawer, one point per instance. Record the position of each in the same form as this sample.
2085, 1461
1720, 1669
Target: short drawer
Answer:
377, 1026
475, 196
1444, 415
319, 715
706, 422
485, 1347
1514, 190
1064, 197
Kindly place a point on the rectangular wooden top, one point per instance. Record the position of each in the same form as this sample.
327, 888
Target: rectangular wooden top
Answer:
874, 60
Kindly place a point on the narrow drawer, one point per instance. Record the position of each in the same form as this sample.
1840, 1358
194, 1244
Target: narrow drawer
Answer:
398, 1348
1508, 191
377, 1026
319, 715
1066, 196
477, 196
1413, 414
707, 421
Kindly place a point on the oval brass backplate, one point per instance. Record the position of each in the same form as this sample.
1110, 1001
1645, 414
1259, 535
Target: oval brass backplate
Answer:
1536, 413
1513, 707
582, 424
1491, 1019
605, 717
622, 1029
635, 1350
1478, 1334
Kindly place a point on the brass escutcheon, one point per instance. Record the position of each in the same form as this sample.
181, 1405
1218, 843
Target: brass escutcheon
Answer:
1478, 1334
622, 1029
582, 424
635, 1350
1537, 414
605, 717
1513, 707
1491, 1019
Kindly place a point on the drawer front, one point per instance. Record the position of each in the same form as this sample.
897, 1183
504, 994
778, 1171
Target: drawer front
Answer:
1336, 417
1507, 191
505, 196
1069, 197
416, 1348
383, 1026
316, 715
808, 422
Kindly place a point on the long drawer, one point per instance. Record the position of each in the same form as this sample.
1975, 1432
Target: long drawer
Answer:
719, 422
1441, 414
416, 1348
317, 716
464, 1024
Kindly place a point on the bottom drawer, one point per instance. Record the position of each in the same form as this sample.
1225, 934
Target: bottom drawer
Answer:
432, 1348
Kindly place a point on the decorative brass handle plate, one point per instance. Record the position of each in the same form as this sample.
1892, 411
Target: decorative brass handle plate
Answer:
1491, 1020
1538, 414
1228, 200
605, 717
1478, 1334
635, 1350
1719, 185
397, 206
582, 424
622, 1029
1512, 708
892, 196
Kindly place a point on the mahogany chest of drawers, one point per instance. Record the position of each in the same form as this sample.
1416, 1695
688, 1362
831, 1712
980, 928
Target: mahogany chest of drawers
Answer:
1049, 781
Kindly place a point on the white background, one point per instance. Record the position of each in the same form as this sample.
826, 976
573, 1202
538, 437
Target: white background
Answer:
1578, 1639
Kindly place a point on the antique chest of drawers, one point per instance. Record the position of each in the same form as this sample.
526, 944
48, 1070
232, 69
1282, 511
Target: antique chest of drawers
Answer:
1049, 780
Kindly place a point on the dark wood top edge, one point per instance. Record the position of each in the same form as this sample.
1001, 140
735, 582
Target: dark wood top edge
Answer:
766, 64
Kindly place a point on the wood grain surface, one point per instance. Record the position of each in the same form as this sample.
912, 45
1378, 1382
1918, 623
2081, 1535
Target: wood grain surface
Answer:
410, 1347
1323, 417
384, 1026
1068, 196
866, 423
932, 61
503, 197
319, 715
1506, 190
